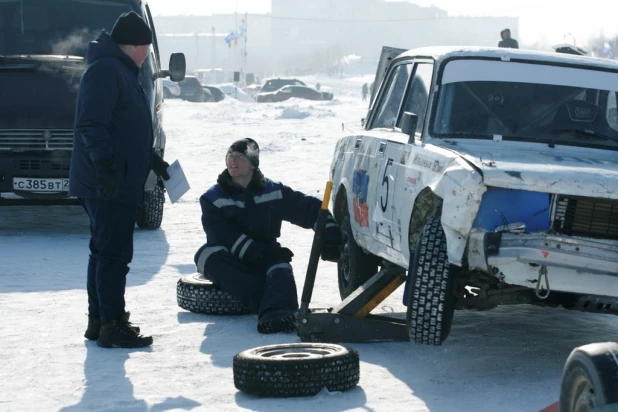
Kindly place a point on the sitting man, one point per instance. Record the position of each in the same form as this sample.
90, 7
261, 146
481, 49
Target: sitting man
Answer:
242, 217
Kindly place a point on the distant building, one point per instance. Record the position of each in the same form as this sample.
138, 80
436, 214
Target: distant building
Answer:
302, 36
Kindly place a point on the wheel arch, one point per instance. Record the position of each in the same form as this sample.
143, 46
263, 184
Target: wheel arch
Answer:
425, 204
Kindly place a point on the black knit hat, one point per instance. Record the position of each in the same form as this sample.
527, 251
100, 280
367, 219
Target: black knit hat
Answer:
131, 29
249, 148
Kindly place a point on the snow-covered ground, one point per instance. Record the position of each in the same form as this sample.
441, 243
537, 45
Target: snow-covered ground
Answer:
507, 359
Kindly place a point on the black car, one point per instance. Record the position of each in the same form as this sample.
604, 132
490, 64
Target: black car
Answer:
216, 93
275, 84
41, 64
193, 91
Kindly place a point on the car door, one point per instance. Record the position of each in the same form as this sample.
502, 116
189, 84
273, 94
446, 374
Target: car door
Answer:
386, 156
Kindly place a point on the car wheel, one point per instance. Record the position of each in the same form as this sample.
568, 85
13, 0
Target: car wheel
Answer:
590, 378
150, 213
296, 369
197, 294
355, 266
431, 295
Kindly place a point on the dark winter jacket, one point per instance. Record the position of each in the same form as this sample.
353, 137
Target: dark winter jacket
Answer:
509, 43
112, 121
246, 221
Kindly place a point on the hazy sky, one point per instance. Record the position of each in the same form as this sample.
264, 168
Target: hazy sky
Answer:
545, 21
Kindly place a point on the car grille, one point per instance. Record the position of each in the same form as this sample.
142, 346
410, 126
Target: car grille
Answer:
582, 216
59, 165
32, 139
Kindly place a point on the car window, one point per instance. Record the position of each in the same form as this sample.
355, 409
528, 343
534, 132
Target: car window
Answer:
418, 96
55, 27
388, 111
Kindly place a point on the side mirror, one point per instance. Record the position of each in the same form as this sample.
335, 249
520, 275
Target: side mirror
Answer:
408, 125
178, 67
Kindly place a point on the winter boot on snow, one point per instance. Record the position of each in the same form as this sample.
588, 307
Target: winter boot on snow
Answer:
277, 320
94, 326
121, 334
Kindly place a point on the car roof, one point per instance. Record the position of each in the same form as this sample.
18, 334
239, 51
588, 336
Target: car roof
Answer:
441, 53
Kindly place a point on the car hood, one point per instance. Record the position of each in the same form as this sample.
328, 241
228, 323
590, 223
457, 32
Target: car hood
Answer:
536, 167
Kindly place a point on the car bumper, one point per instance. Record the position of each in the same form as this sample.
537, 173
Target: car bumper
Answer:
517, 259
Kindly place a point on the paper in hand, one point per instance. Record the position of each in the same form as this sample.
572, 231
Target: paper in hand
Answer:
177, 185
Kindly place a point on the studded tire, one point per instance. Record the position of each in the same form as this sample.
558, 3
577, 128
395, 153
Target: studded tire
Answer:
590, 378
197, 294
150, 213
431, 296
296, 369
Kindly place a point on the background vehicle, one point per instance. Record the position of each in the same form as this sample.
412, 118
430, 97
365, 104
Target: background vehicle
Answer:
490, 174
235, 92
275, 84
170, 89
288, 92
216, 93
193, 91
42, 50
210, 76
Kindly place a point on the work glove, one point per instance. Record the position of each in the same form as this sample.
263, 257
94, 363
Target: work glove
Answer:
331, 241
159, 166
277, 254
106, 178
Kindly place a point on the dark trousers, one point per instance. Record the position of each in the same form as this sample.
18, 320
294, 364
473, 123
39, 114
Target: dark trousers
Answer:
111, 251
262, 287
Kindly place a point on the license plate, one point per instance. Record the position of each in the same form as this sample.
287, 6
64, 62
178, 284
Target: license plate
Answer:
27, 184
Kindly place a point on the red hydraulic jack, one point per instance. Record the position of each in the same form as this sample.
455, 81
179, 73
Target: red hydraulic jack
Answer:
349, 321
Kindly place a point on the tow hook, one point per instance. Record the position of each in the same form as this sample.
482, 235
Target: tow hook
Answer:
542, 292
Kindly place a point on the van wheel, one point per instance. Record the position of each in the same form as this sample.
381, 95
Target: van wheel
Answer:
590, 378
296, 369
431, 297
355, 266
197, 294
150, 213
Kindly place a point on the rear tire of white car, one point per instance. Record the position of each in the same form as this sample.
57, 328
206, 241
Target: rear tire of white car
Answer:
431, 296
296, 369
355, 266
150, 213
197, 294
590, 378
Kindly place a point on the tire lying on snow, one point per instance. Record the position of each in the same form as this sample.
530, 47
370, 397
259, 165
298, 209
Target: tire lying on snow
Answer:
590, 378
197, 294
296, 369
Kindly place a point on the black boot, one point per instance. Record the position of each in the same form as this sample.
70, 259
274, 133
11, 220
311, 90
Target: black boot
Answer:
120, 334
277, 320
94, 326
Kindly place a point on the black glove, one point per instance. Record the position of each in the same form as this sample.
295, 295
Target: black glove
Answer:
159, 166
106, 178
277, 254
331, 241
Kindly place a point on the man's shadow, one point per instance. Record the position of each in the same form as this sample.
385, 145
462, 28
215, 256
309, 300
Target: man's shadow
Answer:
107, 385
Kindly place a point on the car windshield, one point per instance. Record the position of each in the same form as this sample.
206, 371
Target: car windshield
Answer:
540, 102
61, 27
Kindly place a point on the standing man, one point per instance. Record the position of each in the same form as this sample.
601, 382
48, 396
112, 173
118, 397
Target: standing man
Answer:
507, 41
242, 217
365, 91
112, 157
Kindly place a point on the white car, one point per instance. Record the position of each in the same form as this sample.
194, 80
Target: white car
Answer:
491, 175
171, 90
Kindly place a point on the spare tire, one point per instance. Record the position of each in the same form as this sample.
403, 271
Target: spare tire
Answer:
296, 369
197, 294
